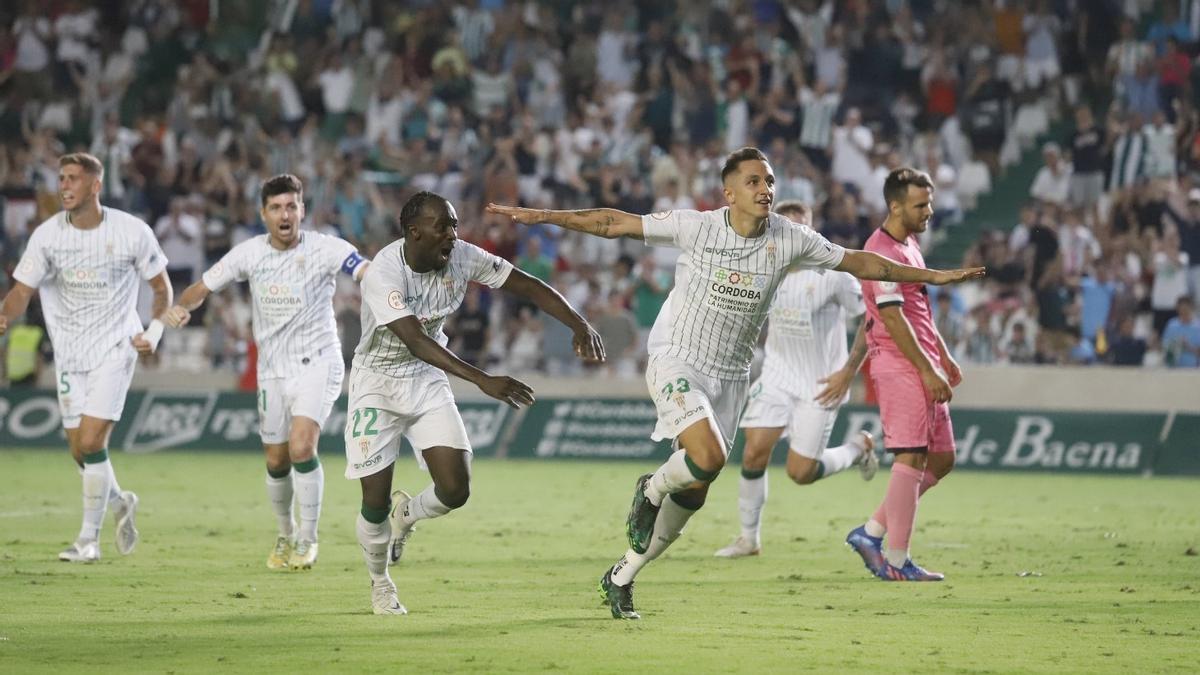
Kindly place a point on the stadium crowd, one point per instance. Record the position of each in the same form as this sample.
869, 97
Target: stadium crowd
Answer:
191, 104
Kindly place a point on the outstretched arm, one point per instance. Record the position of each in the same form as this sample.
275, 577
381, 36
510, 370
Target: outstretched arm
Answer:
607, 223
872, 266
15, 304
509, 390
191, 298
587, 341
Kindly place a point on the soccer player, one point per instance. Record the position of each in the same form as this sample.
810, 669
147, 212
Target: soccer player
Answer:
292, 275
398, 383
732, 261
806, 342
913, 374
87, 262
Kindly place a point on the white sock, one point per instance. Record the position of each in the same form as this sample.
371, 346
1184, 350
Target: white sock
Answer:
114, 490
279, 490
374, 539
837, 460
752, 496
96, 478
896, 557
309, 488
424, 505
667, 528
875, 528
673, 476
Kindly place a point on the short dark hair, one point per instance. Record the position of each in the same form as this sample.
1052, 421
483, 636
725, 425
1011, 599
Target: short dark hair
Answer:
416, 205
796, 206
284, 183
1185, 300
895, 188
88, 162
737, 157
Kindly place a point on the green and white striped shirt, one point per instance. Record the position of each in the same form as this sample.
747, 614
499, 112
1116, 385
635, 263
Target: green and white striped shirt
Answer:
724, 284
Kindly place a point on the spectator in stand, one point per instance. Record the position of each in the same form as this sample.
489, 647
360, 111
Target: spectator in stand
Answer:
1052, 184
1096, 292
1127, 146
1126, 349
1087, 161
1159, 161
1173, 69
1181, 337
1188, 226
1170, 280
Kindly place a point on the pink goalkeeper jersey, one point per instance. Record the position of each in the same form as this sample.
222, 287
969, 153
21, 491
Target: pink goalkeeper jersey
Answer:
912, 298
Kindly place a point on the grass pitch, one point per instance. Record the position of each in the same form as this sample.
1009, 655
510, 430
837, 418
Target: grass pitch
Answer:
1045, 573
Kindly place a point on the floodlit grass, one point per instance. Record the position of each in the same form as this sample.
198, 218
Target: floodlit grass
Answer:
1045, 573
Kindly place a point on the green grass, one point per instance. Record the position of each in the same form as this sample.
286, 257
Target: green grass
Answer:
508, 584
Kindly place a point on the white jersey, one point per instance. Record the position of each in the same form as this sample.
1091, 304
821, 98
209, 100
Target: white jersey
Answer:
806, 333
724, 284
88, 281
392, 290
292, 293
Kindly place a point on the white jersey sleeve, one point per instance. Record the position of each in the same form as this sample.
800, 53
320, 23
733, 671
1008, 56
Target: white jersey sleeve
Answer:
849, 294
341, 256
233, 266
485, 268
385, 292
35, 265
150, 260
813, 250
671, 228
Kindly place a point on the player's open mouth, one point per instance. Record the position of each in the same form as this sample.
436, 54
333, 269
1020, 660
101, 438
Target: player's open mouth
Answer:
285, 228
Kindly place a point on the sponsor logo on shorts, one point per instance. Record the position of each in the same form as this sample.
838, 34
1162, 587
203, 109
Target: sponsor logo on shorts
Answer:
358, 466
688, 414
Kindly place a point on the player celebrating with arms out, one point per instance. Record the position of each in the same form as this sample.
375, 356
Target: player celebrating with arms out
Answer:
292, 276
87, 261
806, 341
732, 260
398, 383
913, 374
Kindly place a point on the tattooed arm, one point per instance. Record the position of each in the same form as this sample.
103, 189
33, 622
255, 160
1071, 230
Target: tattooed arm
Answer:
607, 223
874, 267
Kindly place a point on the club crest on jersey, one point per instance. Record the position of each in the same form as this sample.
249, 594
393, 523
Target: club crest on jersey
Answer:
300, 261
108, 248
771, 252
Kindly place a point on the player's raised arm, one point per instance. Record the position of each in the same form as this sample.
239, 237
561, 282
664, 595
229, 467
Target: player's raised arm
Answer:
874, 267
502, 388
586, 340
607, 223
15, 304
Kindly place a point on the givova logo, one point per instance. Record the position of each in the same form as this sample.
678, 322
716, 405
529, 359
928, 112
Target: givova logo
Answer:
169, 420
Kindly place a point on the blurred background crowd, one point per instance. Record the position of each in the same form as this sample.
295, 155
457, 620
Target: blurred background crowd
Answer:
1063, 137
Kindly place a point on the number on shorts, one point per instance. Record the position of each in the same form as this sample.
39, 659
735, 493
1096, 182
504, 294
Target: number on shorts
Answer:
681, 385
65, 386
262, 400
371, 415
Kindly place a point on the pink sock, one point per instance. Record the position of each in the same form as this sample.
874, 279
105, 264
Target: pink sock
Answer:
881, 514
900, 505
928, 480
